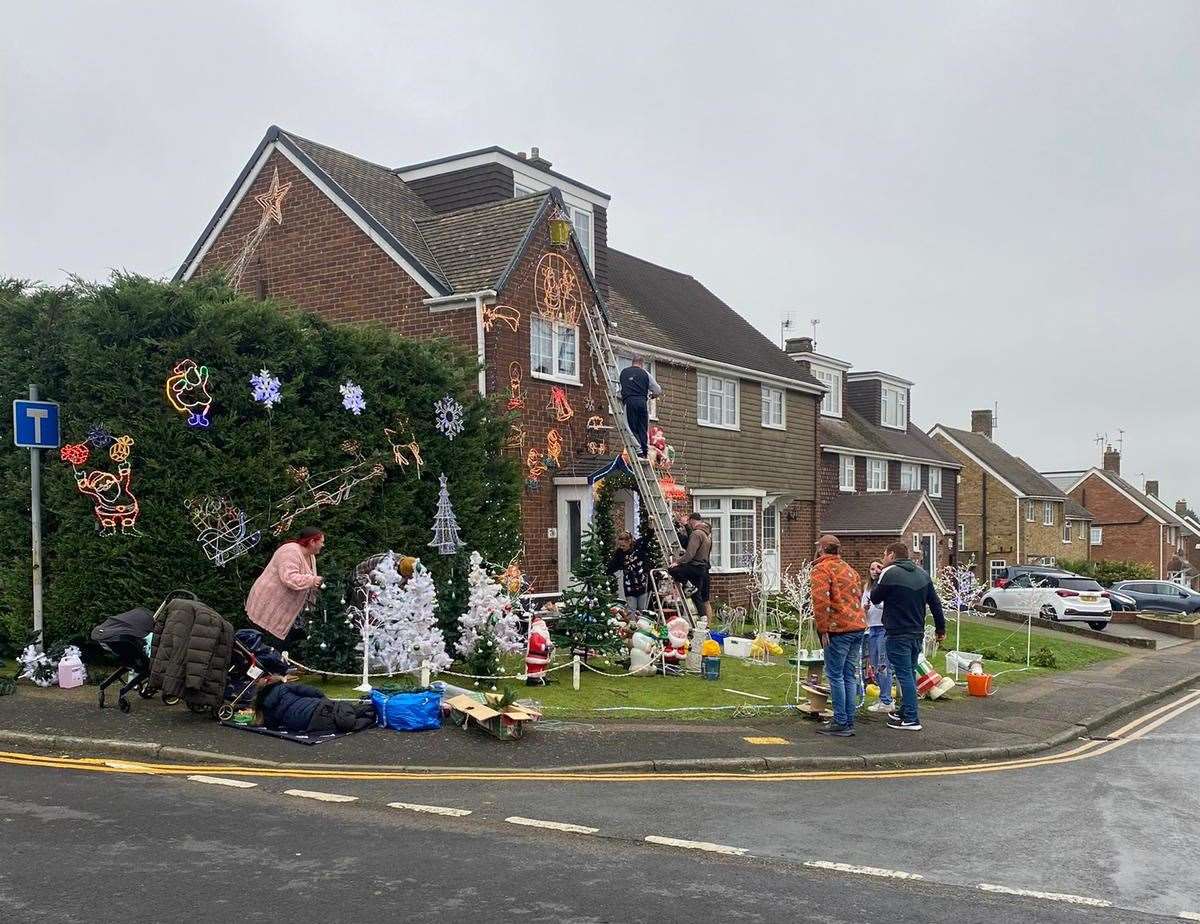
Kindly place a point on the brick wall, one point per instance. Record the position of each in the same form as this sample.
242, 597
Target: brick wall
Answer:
1001, 520
1129, 533
320, 260
1039, 540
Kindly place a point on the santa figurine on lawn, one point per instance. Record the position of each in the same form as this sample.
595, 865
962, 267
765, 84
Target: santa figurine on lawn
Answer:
676, 647
537, 656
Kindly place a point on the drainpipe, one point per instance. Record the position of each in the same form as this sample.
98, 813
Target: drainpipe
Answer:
447, 302
985, 566
1020, 526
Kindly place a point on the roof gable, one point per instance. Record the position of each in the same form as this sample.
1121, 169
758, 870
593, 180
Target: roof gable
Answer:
656, 306
1014, 473
380, 203
1123, 487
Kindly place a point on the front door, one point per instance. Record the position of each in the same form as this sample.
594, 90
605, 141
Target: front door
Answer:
574, 517
770, 548
929, 553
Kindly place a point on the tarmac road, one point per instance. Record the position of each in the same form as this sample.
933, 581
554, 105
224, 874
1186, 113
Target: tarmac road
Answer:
1117, 827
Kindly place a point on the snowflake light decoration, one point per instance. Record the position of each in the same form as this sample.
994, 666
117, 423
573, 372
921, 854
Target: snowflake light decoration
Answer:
265, 389
352, 398
449, 417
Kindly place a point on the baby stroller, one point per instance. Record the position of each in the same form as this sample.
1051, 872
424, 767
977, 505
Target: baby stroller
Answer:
124, 637
252, 658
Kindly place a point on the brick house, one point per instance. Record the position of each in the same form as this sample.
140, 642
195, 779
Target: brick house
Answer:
881, 479
1009, 514
1132, 525
460, 248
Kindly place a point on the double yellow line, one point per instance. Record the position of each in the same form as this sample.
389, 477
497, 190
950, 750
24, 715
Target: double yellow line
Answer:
1132, 731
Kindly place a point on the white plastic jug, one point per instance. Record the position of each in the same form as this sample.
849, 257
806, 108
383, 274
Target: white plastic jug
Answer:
71, 672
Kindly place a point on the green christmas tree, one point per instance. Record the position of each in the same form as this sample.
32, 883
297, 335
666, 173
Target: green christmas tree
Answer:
331, 639
587, 604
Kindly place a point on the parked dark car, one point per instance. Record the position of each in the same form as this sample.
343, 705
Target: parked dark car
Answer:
1161, 596
1121, 602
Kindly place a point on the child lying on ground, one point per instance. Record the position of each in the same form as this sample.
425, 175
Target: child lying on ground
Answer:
299, 708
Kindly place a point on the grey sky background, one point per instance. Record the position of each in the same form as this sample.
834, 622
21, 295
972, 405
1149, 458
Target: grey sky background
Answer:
995, 200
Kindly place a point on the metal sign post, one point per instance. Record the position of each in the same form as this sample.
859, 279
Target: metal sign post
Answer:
35, 426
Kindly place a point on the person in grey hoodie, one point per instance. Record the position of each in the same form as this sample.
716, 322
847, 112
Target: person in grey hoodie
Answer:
693, 564
905, 591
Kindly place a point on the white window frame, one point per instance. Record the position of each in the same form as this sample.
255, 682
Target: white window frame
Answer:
898, 405
555, 328
1097, 536
718, 511
624, 361
1030, 513
703, 380
1083, 530
846, 466
916, 544
994, 565
962, 536
586, 240
935, 475
1047, 513
831, 403
769, 396
1066, 531
914, 473
874, 465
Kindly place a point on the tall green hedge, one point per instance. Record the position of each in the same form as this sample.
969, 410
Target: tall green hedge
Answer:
105, 351
1108, 572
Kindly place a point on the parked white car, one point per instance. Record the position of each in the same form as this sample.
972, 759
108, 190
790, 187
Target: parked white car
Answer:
1058, 596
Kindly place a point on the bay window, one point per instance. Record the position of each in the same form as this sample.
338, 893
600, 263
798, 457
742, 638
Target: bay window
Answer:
733, 531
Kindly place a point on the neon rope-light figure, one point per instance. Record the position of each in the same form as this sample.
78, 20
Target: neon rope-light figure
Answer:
187, 392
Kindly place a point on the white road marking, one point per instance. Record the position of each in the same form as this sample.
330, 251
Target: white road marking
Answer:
696, 845
222, 781
552, 825
1189, 916
862, 870
319, 796
1048, 896
430, 809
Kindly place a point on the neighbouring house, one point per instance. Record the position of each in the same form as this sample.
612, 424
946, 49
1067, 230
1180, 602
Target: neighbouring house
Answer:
1008, 513
1191, 544
462, 248
881, 479
1129, 524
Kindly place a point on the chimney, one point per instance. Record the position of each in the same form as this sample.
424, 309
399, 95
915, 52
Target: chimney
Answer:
1112, 460
1181, 507
981, 423
1152, 488
799, 345
536, 159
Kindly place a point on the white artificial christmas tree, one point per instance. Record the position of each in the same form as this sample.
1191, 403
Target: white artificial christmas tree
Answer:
404, 632
445, 524
490, 627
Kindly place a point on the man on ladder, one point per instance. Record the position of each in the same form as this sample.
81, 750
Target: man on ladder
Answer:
637, 388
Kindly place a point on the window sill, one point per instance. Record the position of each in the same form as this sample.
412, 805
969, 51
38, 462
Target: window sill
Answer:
877, 490
728, 570
846, 490
713, 426
767, 426
935, 497
560, 379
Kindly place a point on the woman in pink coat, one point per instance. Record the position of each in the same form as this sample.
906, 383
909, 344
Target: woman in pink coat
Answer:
286, 584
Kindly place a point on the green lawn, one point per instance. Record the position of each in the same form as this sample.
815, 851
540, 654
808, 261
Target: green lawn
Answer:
776, 682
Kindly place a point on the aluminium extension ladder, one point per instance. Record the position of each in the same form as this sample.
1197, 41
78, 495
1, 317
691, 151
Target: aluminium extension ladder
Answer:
659, 508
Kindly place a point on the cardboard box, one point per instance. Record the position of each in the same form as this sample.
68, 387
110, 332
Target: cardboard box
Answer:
507, 724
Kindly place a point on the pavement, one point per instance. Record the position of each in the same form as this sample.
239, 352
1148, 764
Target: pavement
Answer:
1021, 719
1119, 633
1102, 832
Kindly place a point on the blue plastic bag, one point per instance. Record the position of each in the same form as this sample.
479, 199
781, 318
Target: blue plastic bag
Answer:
418, 710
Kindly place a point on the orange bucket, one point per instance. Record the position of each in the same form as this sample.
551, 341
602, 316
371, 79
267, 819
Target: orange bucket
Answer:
979, 684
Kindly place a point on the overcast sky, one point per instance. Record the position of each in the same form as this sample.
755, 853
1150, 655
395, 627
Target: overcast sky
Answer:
995, 200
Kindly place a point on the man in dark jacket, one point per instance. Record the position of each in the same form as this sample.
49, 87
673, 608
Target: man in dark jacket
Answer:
905, 590
299, 708
637, 388
693, 564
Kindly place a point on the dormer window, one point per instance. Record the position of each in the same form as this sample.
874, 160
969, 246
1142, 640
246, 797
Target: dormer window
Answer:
581, 218
894, 407
831, 404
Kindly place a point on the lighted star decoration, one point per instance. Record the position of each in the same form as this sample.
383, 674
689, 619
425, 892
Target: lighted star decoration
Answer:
271, 201
449, 415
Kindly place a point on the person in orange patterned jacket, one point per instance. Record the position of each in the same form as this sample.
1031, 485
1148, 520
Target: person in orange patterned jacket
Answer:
838, 615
